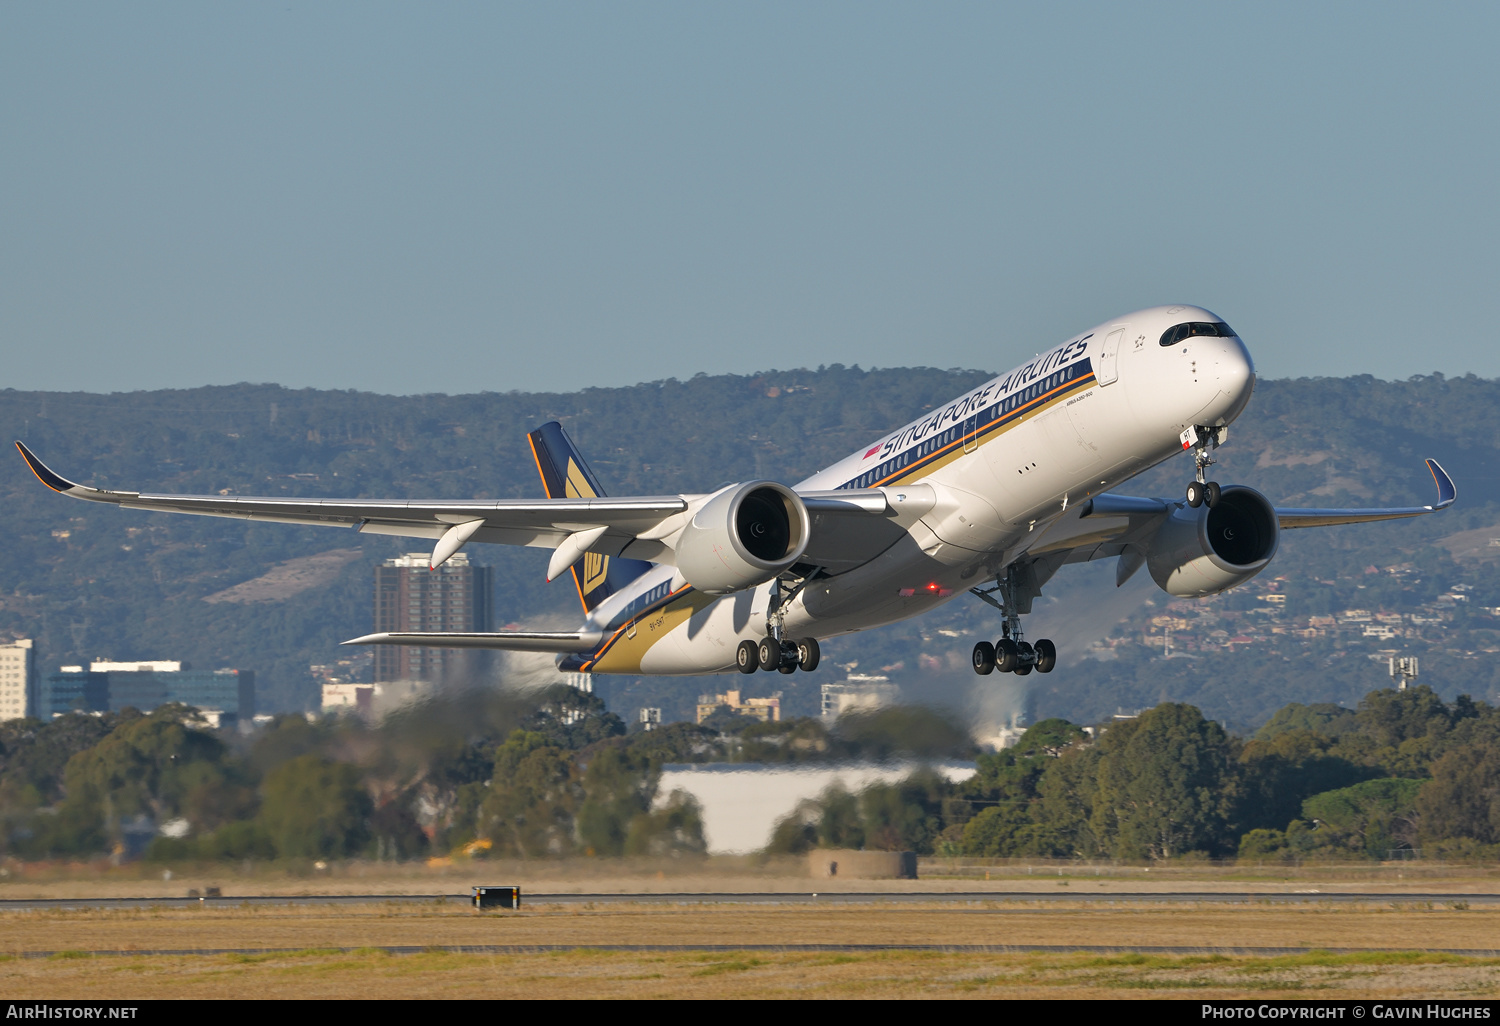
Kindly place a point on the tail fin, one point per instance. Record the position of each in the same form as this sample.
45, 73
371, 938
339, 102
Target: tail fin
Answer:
566, 475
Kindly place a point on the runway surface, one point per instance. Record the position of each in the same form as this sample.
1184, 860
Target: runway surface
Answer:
1081, 895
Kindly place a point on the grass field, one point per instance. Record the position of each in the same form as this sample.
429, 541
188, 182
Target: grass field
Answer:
726, 873
308, 963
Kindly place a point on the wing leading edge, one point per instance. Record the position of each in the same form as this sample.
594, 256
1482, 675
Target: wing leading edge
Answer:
542, 523
1447, 493
639, 527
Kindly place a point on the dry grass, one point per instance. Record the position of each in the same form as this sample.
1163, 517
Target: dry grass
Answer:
730, 873
312, 968
595, 974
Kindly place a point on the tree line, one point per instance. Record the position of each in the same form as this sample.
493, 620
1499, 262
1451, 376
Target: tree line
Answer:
552, 773
1404, 774
535, 774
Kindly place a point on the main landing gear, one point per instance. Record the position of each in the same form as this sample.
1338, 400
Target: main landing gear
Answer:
782, 656
1202, 440
1012, 653
777, 652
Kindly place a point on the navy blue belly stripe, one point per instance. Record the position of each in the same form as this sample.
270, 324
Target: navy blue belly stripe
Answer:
899, 471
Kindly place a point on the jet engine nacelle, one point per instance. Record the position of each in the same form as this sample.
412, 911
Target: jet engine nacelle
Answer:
1207, 550
743, 536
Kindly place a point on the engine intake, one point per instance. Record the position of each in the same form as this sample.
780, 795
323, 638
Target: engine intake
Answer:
1207, 550
743, 536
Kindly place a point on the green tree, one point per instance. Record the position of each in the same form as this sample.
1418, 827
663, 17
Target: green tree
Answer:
1067, 797
833, 820
315, 808
1322, 718
533, 798
1372, 818
1462, 800
1005, 791
1166, 785
1280, 770
33, 761
905, 815
897, 731
159, 767
1261, 844
617, 789
1399, 731
569, 718
675, 827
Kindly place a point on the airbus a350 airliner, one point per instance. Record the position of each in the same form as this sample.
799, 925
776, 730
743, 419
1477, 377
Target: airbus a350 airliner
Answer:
989, 495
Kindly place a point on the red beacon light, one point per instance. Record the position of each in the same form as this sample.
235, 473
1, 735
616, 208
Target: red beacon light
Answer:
930, 589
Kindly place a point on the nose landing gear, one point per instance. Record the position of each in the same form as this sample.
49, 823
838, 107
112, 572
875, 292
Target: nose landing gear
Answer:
1202, 440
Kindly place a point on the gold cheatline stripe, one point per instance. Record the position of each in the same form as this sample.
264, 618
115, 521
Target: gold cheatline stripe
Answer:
1010, 420
603, 649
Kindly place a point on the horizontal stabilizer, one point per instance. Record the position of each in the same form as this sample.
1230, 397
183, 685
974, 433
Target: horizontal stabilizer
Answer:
510, 641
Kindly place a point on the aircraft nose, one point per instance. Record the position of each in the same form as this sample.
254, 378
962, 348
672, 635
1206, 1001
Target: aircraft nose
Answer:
1235, 373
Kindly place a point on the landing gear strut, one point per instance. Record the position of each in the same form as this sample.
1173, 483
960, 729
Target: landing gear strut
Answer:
777, 652
1202, 440
1012, 653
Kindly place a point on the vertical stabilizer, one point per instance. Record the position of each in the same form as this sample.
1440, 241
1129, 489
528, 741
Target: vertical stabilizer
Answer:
565, 475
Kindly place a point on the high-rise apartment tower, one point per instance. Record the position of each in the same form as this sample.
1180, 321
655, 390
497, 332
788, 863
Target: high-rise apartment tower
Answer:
411, 597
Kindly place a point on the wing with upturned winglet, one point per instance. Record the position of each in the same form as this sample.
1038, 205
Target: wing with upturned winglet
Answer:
1106, 525
544, 523
1326, 517
636, 528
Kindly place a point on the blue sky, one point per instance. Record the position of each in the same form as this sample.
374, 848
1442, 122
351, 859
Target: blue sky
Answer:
463, 197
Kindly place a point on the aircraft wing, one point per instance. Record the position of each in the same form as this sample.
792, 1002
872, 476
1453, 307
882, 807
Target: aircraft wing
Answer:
635, 527
1110, 525
545, 523
1325, 517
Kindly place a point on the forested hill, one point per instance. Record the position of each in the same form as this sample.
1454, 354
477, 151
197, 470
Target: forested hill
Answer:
91, 581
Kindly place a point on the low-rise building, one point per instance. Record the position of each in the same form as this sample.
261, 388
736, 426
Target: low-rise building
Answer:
108, 686
350, 698
763, 709
858, 692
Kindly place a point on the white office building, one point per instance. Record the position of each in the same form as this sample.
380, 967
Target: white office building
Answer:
17, 680
859, 692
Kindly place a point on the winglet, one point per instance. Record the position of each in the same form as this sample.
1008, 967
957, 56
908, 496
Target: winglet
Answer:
43, 473
1446, 492
58, 483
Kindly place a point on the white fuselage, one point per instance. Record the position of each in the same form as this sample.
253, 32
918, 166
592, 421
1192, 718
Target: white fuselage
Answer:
990, 476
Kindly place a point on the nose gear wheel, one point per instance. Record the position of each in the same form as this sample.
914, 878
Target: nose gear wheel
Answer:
1202, 440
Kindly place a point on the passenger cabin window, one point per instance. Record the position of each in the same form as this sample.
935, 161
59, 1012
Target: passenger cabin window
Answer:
1178, 332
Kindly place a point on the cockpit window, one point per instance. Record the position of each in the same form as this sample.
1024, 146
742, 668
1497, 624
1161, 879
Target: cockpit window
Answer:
1178, 332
